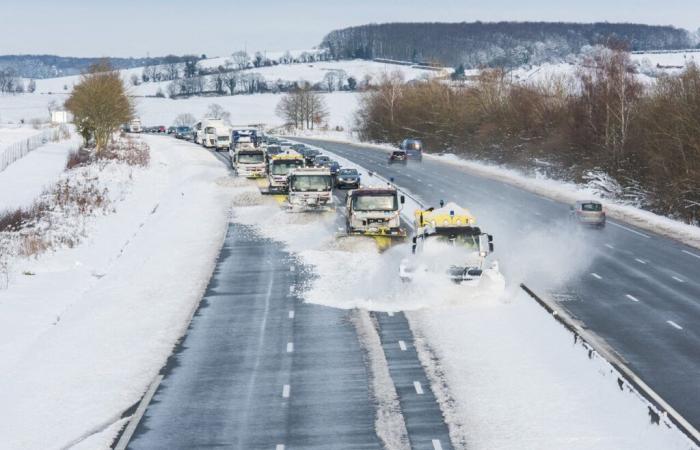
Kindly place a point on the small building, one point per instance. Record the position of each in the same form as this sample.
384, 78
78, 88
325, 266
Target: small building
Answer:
59, 116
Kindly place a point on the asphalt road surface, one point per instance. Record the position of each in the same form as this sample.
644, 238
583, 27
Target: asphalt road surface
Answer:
261, 369
638, 290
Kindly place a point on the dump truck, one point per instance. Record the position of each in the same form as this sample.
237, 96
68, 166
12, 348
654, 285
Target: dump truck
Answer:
310, 189
447, 241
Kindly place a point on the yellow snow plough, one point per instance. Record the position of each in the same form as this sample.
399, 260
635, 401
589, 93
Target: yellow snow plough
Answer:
447, 241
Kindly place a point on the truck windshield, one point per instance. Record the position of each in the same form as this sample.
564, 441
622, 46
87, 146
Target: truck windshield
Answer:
306, 183
457, 240
283, 168
251, 158
210, 130
374, 203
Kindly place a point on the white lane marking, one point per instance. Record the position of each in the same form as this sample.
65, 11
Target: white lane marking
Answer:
291, 314
628, 229
690, 253
678, 279
279, 447
290, 347
430, 185
674, 324
291, 289
285, 391
436, 444
442, 191
596, 275
291, 268
419, 180
538, 214
402, 346
610, 246
418, 387
391, 314
640, 261
546, 198
632, 297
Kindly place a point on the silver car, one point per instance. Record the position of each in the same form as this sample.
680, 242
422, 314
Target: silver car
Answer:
588, 212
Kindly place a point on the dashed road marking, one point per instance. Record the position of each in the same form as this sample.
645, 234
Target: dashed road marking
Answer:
390, 314
291, 314
610, 246
290, 347
402, 346
640, 261
418, 387
674, 324
436, 444
632, 297
279, 447
678, 279
291, 289
291, 268
596, 276
538, 214
285, 391
628, 229
690, 253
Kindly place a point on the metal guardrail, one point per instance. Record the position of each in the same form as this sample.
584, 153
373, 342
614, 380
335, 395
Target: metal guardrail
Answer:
593, 342
20, 149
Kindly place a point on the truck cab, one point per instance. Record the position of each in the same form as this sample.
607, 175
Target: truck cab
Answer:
310, 189
135, 125
279, 168
248, 161
215, 134
374, 211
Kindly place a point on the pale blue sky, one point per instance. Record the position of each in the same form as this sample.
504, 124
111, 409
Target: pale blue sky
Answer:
218, 27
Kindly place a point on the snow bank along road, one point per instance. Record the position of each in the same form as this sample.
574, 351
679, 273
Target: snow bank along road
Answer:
637, 290
261, 369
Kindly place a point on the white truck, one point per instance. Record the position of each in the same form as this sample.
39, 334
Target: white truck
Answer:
135, 125
310, 189
248, 161
374, 211
215, 134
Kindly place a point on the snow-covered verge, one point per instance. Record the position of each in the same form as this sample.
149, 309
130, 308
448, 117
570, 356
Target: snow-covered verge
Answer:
84, 330
515, 378
507, 375
24, 180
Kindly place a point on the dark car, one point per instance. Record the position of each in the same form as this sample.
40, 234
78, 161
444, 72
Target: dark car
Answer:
413, 148
588, 212
398, 156
183, 133
161, 129
171, 130
334, 166
348, 178
321, 160
272, 150
310, 154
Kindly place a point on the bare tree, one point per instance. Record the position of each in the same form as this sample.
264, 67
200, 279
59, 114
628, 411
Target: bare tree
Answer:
31, 86
135, 80
240, 60
184, 120
302, 108
330, 80
231, 81
216, 111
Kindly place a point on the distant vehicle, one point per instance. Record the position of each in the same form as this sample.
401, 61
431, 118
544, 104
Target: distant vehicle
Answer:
588, 212
413, 148
310, 154
135, 126
160, 129
398, 156
348, 178
197, 133
334, 167
215, 134
245, 136
272, 150
171, 130
321, 160
183, 133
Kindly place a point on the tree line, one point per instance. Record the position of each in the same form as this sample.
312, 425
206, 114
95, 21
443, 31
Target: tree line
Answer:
502, 44
601, 124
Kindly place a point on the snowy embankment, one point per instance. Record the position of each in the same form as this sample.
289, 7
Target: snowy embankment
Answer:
508, 376
25, 179
84, 330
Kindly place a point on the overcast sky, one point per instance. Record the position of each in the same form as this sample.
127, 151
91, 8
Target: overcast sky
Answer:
218, 27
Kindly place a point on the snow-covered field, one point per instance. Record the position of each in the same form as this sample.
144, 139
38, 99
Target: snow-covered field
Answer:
311, 72
84, 330
9, 134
